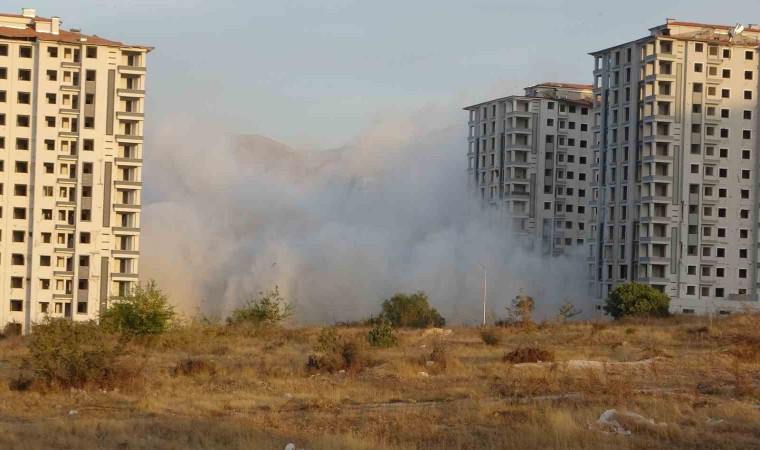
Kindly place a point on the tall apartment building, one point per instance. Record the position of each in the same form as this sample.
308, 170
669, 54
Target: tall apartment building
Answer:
530, 157
675, 165
71, 145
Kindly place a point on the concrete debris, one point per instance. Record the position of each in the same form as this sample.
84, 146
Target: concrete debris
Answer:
423, 346
608, 423
711, 421
73, 412
342, 372
437, 332
423, 374
288, 395
430, 363
588, 364
292, 446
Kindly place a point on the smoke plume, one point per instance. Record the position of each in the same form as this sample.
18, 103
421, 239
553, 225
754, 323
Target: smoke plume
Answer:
336, 230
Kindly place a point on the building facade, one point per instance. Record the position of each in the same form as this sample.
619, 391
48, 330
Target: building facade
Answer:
675, 166
529, 156
71, 145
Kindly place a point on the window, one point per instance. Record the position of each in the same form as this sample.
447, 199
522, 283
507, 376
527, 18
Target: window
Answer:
49, 167
22, 121
84, 237
22, 167
86, 216
90, 76
24, 98
749, 55
17, 305
24, 75
742, 273
89, 122
87, 167
726, 53
747, 114
19, 190
697, 87
52, 75
746, 134
748, 74
3, 50
746, 154
22, 144
2, 96
725, 93
50, 121
698, 67
25, 51
550, 105
726, 73
699, 47
46, 237
747, 95
91, 52
45, 260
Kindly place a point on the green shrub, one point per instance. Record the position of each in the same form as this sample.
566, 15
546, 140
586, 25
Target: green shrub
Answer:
411, 310
146, 311
529, 355
636, 299
71, 354
490, 336
269, 309
333, 353
382, 334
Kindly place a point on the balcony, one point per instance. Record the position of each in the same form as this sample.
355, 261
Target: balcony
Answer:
127, 276
131, 92
134, 70
129, 138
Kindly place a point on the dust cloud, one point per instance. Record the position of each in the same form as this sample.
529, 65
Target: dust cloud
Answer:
337, 230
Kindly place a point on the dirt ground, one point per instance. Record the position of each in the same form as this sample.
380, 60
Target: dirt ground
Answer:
675, 383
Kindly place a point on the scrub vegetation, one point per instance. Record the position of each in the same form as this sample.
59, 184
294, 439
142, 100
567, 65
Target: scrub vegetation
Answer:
256, 383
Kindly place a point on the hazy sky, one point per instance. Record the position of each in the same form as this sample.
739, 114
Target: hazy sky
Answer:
315, 73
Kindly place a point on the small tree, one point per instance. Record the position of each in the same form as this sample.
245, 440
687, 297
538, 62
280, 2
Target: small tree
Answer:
566, 311
382, 334
636, 299
411, 310
146, 311
269, 309
521, 310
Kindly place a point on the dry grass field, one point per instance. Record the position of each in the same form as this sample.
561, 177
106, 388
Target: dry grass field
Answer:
213, 386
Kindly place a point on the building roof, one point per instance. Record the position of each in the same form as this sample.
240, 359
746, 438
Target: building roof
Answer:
741, 41
581, 87
66, 36
549, 84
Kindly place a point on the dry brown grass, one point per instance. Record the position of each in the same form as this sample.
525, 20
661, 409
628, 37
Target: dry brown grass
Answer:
248, 388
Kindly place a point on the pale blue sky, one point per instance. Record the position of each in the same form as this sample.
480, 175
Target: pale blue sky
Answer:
315, 73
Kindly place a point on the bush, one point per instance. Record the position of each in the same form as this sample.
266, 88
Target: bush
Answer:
190, 367
11, 329
146, 311
529, 355
490, 336
269, 309
411, 310
382, 334
636, 299
70, 354
441, 355
334, 353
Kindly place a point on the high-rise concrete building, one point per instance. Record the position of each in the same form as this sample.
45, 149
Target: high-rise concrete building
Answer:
530, 157
675, 197
71, 146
